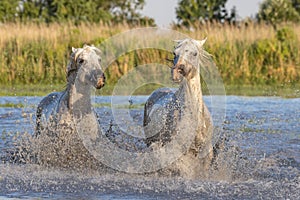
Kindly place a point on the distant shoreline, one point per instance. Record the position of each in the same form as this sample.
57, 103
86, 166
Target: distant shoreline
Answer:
238, 90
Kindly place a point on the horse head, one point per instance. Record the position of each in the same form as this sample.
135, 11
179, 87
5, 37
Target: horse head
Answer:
187, 55
85, 65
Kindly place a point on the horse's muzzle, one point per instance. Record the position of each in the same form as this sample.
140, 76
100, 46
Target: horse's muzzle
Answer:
177, 75
100, 82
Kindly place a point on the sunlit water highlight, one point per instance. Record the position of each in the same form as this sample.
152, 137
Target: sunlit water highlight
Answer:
262, 158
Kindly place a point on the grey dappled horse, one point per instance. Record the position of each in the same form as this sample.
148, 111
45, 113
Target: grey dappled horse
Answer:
166, 109
84, 68
55, 113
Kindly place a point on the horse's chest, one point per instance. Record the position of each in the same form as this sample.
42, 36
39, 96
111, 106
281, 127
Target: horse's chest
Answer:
65, 119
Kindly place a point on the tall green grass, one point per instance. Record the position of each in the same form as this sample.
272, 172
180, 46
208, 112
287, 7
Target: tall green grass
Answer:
245, 55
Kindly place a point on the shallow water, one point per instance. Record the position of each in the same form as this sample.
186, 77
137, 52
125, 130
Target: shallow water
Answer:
263, 160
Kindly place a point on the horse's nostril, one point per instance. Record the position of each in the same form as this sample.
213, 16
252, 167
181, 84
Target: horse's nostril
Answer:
102, 77
180, 69
100, 83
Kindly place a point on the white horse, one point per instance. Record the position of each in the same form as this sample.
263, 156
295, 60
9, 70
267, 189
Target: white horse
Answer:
169, 110
55, 129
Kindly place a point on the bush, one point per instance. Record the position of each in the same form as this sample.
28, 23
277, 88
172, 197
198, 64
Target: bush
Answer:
277, 11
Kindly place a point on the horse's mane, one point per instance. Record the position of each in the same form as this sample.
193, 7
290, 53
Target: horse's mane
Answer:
71, 69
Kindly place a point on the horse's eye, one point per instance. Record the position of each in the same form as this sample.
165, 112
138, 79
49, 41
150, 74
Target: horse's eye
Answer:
195, 54
80, 60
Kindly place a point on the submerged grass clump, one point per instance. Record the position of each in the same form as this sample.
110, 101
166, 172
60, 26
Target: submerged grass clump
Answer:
12, 105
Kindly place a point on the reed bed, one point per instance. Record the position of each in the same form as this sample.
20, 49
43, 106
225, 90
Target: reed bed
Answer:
250, 54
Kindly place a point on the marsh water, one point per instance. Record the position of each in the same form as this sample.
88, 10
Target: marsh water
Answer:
262, 160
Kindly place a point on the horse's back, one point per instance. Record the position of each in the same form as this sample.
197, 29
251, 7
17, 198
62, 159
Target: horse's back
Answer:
159, 98
46, 108
157, 113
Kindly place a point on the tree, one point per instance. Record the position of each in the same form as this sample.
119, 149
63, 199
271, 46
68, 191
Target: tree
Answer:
8, 10
30, 10
190, 11
128, 11
296, 5
278, 11
76, 11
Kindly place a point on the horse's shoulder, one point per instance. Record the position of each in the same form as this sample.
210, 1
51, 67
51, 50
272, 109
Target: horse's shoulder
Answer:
48, 102
164, 90
161, 95
160, 101
52, 97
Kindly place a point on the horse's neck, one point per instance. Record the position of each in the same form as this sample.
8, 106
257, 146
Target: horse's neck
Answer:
78, 96
190, 94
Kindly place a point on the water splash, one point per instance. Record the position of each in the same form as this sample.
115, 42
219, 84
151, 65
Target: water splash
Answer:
259, 158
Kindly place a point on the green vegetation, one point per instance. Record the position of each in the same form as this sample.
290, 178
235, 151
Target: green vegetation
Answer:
264, 90
278, 11
29, 90
73, 11
95, 105
32, 58
253, 58
12, 105
265, 61
287, 91
192, 12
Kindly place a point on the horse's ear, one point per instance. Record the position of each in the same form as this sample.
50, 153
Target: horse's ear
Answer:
73, 49
177, 41
201, 42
